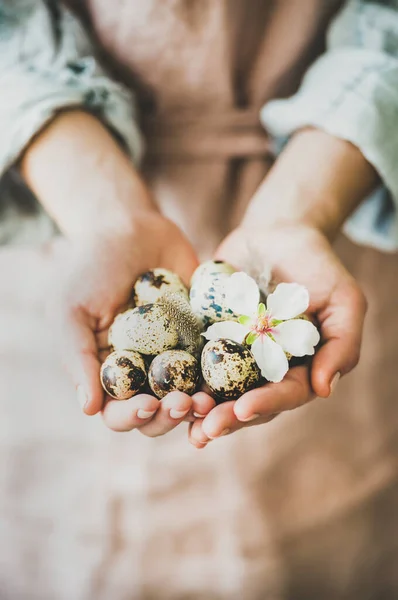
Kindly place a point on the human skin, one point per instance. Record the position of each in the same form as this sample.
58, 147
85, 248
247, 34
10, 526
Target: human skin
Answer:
112, 232
289, 225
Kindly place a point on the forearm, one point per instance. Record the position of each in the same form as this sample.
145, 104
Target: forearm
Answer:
84, 179
318, 180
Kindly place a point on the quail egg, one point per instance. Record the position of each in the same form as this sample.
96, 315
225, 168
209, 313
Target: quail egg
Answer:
146, 329
150, 286
117, 336
173, 370
210, 268
123, 374
229, 369
208, 300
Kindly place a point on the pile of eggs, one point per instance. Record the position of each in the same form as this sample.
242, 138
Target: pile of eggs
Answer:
158, 343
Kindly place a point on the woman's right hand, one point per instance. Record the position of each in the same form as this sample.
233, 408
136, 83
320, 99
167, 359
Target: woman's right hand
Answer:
92, 284
113, 232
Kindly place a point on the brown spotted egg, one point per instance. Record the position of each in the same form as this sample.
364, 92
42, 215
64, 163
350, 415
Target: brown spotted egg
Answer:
173, 370
153, 284
211, 268
229, 369
146, 329
208, 300
123, 374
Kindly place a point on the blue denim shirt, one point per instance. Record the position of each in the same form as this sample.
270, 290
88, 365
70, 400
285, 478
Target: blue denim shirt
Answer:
352, 93
46, 65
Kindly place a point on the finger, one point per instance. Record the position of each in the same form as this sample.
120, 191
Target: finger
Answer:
103, 355
341, 327
221, 421
274, 398
102, 339
196, 435
125, 415
172, 410
79, 354
182, 258
202, 404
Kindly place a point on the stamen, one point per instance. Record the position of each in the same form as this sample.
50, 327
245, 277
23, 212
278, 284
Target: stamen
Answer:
263, 324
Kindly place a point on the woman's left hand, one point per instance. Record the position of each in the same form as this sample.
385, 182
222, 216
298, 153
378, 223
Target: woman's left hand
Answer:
296, 253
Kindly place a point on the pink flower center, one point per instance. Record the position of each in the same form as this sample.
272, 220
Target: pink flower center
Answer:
262, 325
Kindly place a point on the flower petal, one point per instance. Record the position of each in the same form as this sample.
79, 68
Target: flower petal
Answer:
242, 294
270, 358
227, 330
289, 300
298, 337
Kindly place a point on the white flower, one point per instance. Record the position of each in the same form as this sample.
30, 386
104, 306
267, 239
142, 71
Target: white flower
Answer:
270, 330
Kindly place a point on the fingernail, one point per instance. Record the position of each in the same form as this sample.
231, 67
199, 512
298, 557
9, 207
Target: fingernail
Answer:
199, 445
195, 414
145, 414
248, 418
178, 414
334, 383
81, 396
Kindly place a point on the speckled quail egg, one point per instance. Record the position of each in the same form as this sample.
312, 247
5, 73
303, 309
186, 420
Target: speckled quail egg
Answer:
146, 329
208, 300
210, 268
150, 286
229, 369
117, 336
173, 370
123, 374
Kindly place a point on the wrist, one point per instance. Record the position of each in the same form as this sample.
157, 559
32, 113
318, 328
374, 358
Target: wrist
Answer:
283, 207
84, 179
317, 181
128, 246
115, 257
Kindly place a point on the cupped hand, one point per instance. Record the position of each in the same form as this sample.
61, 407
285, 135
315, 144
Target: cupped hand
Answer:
91, 285
295, 253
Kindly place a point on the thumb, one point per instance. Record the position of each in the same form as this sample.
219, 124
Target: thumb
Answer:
235, 250
183, 260
79, 355
341, 327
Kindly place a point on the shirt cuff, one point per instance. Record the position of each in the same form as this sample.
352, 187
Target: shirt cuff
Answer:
351, 94
30, 99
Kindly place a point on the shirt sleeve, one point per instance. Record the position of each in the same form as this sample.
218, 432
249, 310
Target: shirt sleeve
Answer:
351, 92
47, 65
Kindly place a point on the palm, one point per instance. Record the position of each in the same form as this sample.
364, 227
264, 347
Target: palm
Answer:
96, 284
303, 255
